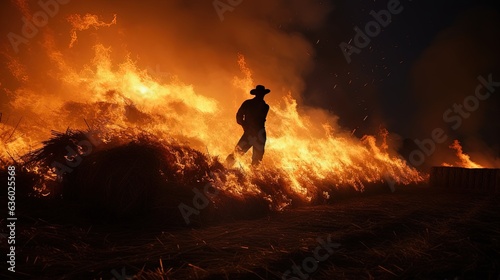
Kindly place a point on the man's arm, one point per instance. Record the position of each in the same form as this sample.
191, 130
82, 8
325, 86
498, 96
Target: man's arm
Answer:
264, 113
240, 115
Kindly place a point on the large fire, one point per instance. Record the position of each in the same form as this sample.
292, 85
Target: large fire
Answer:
305, 148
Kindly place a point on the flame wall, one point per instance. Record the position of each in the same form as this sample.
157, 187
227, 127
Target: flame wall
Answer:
174, 70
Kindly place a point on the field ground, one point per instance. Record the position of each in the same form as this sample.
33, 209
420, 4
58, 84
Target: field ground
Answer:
414, 233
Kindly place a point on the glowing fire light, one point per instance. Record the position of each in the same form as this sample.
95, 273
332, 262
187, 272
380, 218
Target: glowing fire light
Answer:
465, 160
307, 151
80, 23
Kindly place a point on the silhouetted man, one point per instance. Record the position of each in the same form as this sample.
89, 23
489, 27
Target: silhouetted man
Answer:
252, 117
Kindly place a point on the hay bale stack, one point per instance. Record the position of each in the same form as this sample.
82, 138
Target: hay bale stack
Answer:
130, 177
482, 180
118, 182
138, 179
127, 177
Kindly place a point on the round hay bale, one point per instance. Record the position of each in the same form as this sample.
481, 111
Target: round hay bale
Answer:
118, 182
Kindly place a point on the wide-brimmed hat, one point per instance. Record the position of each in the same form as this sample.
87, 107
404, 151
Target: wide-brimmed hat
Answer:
260, 89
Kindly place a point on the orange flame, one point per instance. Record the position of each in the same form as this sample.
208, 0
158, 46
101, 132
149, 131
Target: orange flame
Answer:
306, 150
80, 23
465, 160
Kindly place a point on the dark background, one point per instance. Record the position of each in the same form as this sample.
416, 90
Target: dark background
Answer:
422, 63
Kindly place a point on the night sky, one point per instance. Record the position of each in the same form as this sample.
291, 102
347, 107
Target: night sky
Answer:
383, 80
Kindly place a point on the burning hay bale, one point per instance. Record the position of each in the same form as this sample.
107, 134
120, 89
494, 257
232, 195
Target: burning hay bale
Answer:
124, 175
124, 178
127, 177
121, 181
24, 182
470, 179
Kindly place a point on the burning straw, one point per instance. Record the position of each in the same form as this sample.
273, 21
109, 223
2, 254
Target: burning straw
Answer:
126, 174
129, 176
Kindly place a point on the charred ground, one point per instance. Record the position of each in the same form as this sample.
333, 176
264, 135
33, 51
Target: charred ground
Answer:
116, 212
414, 233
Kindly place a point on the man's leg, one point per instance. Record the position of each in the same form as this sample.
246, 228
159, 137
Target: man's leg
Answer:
258, 142
243, 145
241, 148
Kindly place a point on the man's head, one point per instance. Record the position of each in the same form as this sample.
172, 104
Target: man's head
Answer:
260, 91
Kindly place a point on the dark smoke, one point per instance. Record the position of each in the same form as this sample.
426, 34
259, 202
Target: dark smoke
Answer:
446, 73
